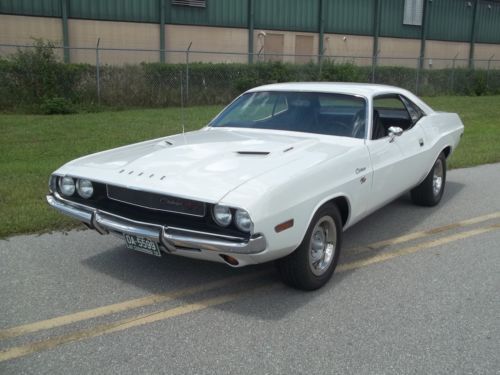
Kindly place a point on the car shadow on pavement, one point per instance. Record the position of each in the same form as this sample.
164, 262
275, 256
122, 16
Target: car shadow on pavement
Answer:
397, 218
172, 273
160, 275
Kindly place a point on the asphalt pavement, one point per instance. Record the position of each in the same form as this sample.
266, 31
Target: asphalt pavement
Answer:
416, 292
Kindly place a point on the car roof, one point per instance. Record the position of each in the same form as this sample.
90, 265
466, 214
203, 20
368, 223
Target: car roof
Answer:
367, 90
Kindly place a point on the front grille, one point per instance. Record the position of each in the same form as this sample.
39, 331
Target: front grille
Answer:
156, 201
101, 201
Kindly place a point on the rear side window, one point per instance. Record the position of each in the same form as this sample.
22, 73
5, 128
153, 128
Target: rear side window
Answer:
415, 112
389, 110
389, 103
393, 110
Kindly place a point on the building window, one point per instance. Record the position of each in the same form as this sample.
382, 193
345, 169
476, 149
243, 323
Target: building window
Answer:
413, 12
190, 3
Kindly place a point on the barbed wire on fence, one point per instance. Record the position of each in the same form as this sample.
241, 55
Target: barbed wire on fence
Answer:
135, 77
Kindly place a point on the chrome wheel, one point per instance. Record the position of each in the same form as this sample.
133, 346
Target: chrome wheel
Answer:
322, 245
437, 178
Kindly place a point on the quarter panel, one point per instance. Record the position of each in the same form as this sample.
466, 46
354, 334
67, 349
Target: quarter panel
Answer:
441, 130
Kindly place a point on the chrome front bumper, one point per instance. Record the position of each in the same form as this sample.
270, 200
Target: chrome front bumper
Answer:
170, 239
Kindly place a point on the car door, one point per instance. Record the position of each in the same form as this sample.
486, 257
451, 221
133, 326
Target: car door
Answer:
395, 158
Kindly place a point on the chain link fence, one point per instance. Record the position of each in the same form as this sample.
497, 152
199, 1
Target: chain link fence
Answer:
135, 78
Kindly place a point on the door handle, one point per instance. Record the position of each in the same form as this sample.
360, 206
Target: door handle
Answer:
421, 142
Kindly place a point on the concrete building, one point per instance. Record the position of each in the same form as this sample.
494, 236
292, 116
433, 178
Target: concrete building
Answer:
395, 32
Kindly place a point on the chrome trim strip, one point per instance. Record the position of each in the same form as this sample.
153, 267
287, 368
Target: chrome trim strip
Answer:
208, 234
169, 237
74, 212
252, 246
123, 227
156, 209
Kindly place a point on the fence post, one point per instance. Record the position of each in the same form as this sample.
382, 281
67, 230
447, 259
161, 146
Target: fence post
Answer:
453, 73
187, 72
321, 31
374, 64
376, 34
251, 23
97, 72
320, 57
423, 31
162, 31
64, 14
472, 40
417, 76
488, 72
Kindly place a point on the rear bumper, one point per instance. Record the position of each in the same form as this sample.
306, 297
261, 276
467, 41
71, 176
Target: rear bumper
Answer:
171, 239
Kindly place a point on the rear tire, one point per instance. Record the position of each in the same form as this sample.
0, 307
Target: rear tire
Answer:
430, 191
312, 264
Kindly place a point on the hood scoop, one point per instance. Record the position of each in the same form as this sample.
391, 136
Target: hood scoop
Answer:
165, 143
253, 153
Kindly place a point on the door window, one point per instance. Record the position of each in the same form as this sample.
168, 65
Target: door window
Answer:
389, 110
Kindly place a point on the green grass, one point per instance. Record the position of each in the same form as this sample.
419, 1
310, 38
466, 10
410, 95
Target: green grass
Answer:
33, 146
481, 117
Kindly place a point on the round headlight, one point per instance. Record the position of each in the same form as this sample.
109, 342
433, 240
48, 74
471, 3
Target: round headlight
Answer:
243, 221
222, 215
67, 186
84, 188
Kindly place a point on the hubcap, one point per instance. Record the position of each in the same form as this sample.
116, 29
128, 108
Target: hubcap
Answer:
437, 178
322, 245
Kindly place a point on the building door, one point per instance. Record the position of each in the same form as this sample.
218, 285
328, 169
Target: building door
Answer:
273, 47
304, 46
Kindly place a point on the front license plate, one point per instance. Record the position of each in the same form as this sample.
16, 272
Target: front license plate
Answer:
142, 244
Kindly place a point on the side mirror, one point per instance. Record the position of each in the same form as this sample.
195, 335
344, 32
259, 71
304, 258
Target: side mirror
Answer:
394, 131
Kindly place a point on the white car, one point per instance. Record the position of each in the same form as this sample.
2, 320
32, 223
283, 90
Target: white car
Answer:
278, 175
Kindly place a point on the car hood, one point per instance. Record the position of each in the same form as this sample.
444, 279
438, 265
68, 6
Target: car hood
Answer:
203, 165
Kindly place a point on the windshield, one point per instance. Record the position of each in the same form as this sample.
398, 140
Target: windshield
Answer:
308, 112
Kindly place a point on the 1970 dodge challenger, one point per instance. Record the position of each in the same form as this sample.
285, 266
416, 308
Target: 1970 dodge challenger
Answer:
278, 175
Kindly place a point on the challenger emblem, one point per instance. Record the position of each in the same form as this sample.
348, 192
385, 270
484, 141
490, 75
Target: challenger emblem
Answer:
170, 202
359, 170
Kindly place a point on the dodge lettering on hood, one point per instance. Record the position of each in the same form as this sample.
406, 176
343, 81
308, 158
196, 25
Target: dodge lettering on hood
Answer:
278, 175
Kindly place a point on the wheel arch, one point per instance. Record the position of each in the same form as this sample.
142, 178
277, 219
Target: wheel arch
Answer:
343, 204
447, 151
344, 207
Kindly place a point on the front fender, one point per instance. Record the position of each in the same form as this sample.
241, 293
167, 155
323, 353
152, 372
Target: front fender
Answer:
296, 191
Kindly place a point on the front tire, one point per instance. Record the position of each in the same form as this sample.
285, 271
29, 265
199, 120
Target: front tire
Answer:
430, 191
312, 264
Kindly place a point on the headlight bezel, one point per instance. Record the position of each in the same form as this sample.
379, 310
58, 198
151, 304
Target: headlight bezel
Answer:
80, 190
237, 218
227, 222
239, 215
61, 186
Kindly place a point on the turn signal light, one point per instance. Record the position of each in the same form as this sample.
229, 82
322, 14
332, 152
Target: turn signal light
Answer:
283, 226
229, 259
